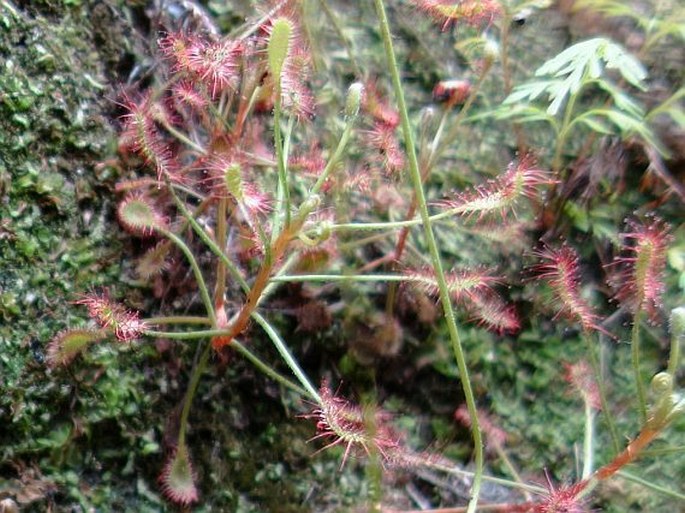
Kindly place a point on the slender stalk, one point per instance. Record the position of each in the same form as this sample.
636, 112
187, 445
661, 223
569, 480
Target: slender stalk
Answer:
201, 285
214, 248
187, 335
563, 132
287, 356
588, 439
659, 489
283, 188
435, 254
456, 471
434, 151
266, 369
177, 319
221, 234
635, 358
198, 369
261, 281
339, 150
292, 278
183, 138
501, 454
599, 378
392, 225
677, 337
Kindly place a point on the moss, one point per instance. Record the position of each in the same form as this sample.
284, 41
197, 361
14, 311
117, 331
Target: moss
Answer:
54, 132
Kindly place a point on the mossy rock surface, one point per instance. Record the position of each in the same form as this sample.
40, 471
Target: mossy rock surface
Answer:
93, 437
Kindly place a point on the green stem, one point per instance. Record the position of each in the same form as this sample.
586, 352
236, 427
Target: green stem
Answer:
292, 278
339, 150
183, 138
599, 378
204, 293
677, 337
563, 132
198, 369
588, 439
435, 254
635, 357
221, 234
187, 335
456, 471
266, 369
284, 190
235, 272
177, 319
512, 470
285, 354
660, 489
391, 225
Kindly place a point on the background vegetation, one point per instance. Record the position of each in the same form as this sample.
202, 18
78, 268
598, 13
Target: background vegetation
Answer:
92, 436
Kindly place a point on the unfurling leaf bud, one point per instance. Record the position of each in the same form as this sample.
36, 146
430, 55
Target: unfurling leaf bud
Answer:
491, 50
662, 383
309, 205
354, 99
677, 322
669, 404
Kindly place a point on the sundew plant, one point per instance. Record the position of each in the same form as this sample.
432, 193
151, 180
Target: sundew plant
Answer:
248, 172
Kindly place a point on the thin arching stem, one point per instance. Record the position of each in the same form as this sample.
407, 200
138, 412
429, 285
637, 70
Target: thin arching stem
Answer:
434, 253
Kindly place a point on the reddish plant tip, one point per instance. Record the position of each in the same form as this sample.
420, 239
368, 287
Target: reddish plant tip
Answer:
377, 106
495, 435
559, 267
582, 380
350, 425
66, 345
521, 179
463, 284
226, 178
383, 140
214, 63
640, 279
450, 12
289, 62
472, 289
177, 479
492, 312
138, 215
141, 135
113, 316
566, 499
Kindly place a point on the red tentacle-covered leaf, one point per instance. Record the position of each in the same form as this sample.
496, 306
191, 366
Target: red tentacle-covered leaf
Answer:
177, 479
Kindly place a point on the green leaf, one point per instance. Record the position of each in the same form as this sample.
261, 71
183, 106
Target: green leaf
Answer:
622, 100
597, 126
524, 113
578, 66
628, 125
529, 90
630, 68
